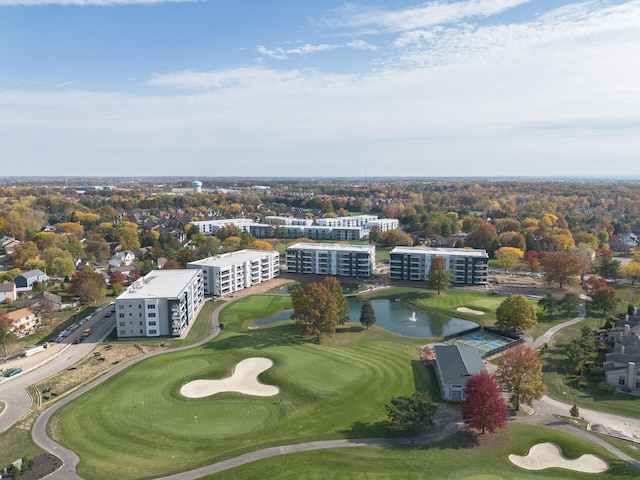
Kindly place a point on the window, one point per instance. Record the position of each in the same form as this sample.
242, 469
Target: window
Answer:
121, 315
141, 332
140, 322
151, 314
152, 332
151, 307
620, 380
139, 305
153, 324
122, 324
120, 307
123, 332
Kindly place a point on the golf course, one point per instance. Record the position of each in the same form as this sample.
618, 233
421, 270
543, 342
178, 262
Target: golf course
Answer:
138, 425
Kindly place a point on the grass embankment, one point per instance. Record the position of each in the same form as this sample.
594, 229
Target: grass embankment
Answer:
460, 457
142, 427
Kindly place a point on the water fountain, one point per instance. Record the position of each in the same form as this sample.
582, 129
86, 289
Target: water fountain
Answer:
413, 317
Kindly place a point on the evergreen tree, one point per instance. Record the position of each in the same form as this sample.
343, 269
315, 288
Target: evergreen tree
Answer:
367, 315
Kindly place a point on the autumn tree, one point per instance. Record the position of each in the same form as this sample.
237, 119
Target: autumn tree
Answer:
90, 286
374, 234
24, 252
631, 271
560, 266
128, 236
367, 315
508, 257
520, 372
483, 406
393, 238
46, 308
415, 411
531, 258
317, 308
333, 285
439, 277
227, 231
516, 312
6, 334
484, 236
602, 295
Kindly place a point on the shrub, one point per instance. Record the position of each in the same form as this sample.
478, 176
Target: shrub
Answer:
575, 412
582, 382
596, 370
604, 387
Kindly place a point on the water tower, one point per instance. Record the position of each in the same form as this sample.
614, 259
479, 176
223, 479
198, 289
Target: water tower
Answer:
197, 186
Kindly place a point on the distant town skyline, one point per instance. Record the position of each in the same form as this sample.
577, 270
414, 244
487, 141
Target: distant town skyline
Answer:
248, 88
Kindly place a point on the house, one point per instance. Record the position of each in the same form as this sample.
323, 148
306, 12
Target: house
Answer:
7, 292
454, 364
25, 280
54, 300
163, 303
23, 320
9, 244
622, 366
122, 258
468, 266
230, 272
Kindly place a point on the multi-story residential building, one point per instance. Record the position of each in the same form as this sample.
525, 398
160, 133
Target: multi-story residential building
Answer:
163, 303
279, 220
383, 223
331, 259
352, 221
468, 266
212, 226
230, 272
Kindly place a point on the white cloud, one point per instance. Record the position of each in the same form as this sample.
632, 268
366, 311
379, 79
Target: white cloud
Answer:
282, 54
361, 45
83, 3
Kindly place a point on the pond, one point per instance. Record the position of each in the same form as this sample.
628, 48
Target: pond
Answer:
397, 317
346, 287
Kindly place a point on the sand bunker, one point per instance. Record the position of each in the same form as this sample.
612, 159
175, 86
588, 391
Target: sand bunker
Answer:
469, 310
547, 455
244, 380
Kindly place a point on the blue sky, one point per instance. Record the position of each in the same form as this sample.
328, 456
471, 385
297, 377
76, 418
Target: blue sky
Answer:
320, 88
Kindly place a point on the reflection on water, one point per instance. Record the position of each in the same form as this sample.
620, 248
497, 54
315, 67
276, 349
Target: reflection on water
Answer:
397, 317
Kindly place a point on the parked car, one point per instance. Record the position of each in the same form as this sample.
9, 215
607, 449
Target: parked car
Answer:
13, 372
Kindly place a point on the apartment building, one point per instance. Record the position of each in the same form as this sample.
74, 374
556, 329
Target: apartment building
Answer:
163, 303
331, 259
468, 266
210, 227
229, 272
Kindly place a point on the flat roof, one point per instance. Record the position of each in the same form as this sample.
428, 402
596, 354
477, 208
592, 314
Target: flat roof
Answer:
331, 246
233, 258
160, 284
467, 252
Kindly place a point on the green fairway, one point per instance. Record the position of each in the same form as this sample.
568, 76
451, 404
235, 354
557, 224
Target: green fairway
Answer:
460, 457
137, 425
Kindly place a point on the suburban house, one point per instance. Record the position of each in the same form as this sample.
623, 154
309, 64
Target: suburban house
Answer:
122, 258
468, 266
454, 364
23, 320
8, 244
337, 259
230, 272
163, 303
8, 292
54, 300
622, 366
25, 280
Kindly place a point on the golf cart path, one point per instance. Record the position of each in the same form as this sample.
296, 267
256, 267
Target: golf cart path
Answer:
544, 415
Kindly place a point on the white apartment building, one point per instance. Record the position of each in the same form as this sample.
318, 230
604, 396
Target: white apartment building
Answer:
331, 259
281, 220
352, 221
229, 272
384, 224
210, 227
468, 266
163, 303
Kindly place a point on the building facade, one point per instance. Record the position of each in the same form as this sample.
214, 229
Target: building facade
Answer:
468, 266
331, 259
230, 272
163, 303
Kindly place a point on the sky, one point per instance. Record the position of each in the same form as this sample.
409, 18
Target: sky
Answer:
320, 88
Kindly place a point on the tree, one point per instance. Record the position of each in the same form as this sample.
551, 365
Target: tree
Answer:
45, 308
415, 411
483, 406
23, 252
88, 285
508, 257
374, 234
6, 335
532, 260
549, 303
521, 373
393, 238
484, 236
439, 277
117, 289
575, 411
128, 236
560, 266
186, 255
227, 231
333, 285
632, 271
315, 310
570, 302
516, 312
116, 276
608, 267
367, 315
602, 295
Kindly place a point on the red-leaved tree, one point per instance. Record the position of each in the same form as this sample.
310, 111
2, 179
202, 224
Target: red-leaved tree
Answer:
483, 407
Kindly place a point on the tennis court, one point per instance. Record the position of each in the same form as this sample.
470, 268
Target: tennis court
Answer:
482, 341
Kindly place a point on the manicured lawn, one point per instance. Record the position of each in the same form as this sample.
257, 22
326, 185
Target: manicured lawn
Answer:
141, 427
461, 457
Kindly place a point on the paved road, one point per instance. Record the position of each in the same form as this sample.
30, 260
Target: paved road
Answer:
13, 391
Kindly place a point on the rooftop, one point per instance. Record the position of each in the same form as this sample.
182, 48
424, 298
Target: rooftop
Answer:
332, 246
233, 258
458, 362
467, 252
159, 284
